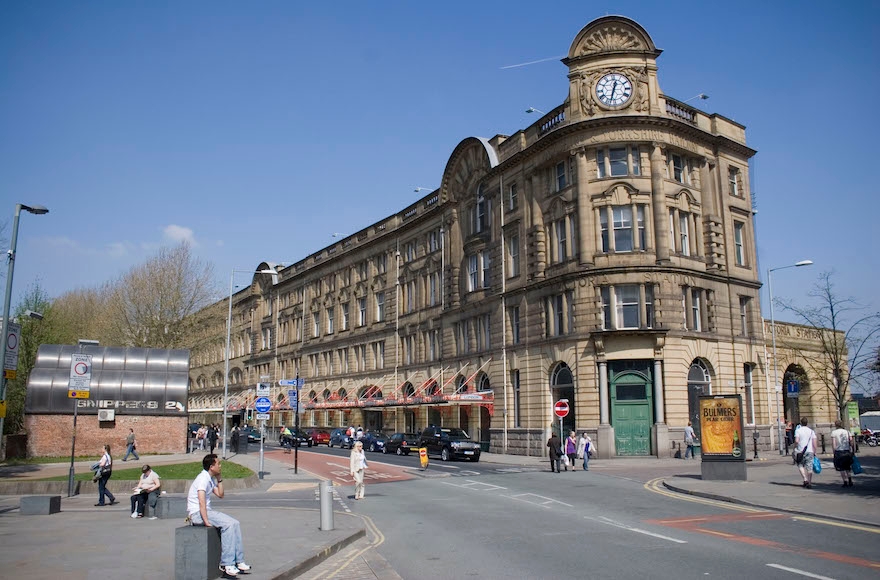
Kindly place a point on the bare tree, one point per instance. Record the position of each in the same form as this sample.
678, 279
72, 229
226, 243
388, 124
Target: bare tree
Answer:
154, 304
847, 349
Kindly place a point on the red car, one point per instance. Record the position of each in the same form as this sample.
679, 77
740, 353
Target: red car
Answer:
319, 437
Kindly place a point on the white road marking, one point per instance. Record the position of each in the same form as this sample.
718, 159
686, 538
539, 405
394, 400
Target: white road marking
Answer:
444, 465
801, 572
526, 497
475, 485
331, 464
604, 520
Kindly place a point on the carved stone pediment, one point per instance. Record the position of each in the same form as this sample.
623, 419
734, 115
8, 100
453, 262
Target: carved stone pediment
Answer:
609, 35
620, 193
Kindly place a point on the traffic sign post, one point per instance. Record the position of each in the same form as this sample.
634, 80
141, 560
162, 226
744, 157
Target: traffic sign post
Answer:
792, 389
10, 357
263, 405
561, 410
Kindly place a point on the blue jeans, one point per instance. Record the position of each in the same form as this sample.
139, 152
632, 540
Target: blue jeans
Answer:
690, 451
586, 460
131, 451
102, 490
230, 536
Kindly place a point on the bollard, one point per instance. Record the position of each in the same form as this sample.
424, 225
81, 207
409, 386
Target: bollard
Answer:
823, 443
326, 493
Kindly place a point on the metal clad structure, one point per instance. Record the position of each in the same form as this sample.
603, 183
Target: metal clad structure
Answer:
131, 381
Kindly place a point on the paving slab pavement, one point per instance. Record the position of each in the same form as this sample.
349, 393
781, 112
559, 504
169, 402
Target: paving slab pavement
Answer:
87, 542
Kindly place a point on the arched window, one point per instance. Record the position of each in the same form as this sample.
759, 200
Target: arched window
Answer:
326, 394
409, 390
343, 395
481, 212
699, 384
483, 383
461, 384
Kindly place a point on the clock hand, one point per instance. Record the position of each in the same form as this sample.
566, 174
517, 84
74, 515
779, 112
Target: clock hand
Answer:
613, 89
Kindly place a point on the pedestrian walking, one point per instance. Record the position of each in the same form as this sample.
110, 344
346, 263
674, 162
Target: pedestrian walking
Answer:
555, 446
200, 436
236, 438
357, 466
690, 439
212, 436
842, 444
103, 473
585, 445
805, 450
198, 507
131, 446
571, 450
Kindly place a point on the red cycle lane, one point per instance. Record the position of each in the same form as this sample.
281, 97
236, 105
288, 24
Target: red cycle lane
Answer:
336, 468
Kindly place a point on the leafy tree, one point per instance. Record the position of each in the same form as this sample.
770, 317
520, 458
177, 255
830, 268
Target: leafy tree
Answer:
33, 334
154, 304
848, 350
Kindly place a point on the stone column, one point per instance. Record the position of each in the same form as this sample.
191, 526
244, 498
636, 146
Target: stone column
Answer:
586, 223
603, 393
538, 225
659, 414
658, 204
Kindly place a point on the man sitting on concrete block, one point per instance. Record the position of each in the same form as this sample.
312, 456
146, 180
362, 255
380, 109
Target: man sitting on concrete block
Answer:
147, 491
198, 506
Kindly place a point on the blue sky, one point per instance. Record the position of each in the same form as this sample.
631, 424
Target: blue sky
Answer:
257, 130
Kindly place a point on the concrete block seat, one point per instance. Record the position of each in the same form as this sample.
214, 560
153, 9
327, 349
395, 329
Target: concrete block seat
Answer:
40, 505
171, 506
196, 553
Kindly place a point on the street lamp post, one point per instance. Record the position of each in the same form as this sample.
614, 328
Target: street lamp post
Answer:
10, 258
228, 339
776, 384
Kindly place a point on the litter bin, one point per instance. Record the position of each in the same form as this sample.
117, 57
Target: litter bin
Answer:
484, 446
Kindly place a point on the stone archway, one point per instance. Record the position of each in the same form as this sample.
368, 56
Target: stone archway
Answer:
562, 387
795, 374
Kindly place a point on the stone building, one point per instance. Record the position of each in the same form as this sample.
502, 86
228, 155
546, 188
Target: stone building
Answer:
605, 255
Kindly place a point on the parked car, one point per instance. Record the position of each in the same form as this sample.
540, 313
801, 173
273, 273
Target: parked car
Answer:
449, 443
374, 440
320, 437
252, 433
340, 437
401, 443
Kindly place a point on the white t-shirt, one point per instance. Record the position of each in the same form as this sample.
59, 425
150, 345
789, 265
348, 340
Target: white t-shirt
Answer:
840, 440
202, 482
804, 436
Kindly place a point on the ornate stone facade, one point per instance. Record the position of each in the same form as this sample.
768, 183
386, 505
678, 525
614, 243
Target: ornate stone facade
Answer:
605, 255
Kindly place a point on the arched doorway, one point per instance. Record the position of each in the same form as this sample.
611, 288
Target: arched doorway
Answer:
562, 387
631, 387
699, 384
794, 377
485, 418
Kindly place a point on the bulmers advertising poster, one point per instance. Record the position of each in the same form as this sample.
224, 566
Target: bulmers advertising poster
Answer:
721, 428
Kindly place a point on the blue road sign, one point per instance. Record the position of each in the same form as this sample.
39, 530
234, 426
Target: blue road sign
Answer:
792, 389
291, 383
263, 405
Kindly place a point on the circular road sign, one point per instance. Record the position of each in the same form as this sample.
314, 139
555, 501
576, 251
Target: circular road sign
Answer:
561, 408
263, 405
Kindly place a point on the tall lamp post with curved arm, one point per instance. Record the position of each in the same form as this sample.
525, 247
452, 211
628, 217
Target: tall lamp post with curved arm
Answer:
776, 384
228, 339
10, 258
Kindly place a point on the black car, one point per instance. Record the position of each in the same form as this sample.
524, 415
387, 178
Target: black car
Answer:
340, 437
449, 443
297, 437
401, 443
252, 433
374, 440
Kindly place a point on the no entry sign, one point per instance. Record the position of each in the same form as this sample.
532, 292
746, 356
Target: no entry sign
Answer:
561, 408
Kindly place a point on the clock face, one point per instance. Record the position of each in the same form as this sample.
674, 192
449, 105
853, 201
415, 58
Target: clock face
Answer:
614, 89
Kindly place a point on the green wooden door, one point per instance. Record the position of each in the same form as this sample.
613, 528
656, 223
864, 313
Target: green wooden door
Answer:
631, 414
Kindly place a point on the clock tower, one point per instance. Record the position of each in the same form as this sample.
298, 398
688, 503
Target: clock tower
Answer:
612, 70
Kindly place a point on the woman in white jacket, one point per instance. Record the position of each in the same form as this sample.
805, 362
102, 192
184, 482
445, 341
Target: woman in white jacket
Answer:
357, 466
583, 449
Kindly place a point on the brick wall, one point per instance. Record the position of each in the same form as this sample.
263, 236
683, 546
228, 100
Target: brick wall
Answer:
50, 435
